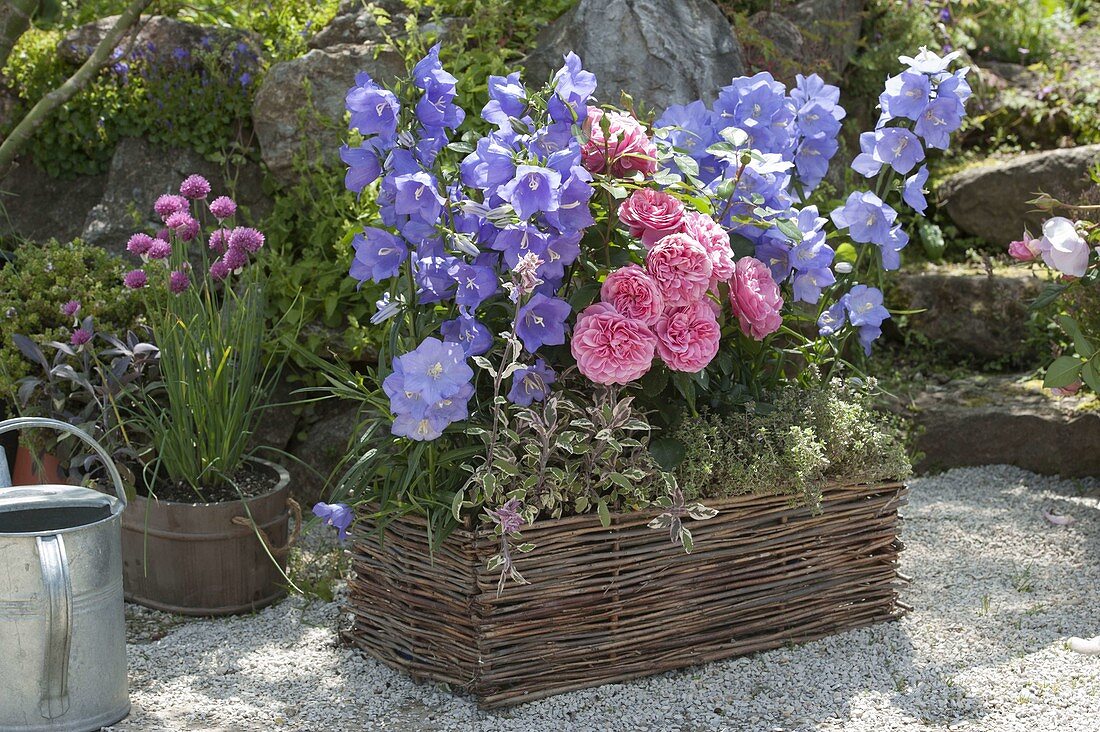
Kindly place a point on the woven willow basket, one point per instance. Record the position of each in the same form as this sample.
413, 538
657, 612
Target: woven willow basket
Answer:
611, 604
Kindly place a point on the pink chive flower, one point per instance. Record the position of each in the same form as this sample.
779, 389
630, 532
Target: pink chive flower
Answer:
247, 238
135, 279
626, 147
755, 298
195, 187
183, 224
688, 337
169, 204
681, 268
716, 240
223, 207
1024, 250
1068, 390
71, 308
80, 336
139, 244
219, 270
632, 292
159, 249
611, 348
652, 215
163, 234
178, 281
235, 258
219, 240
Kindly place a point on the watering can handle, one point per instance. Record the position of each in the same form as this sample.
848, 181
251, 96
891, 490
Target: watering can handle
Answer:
25, 422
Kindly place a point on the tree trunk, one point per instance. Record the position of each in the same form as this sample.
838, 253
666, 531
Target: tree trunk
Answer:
15, 18
45, 106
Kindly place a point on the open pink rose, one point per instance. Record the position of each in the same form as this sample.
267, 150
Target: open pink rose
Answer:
681, 268
632, 292
652, 215
611, 348
625, 148
687, 337
716, 240
755, 298
1024, 250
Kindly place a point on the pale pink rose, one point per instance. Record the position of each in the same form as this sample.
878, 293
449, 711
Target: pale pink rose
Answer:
1024, 250
755, 298
716, 240
687, 337
1063, 248
681, 268
625, 149
652, 215
611, 348
1068, 390
635, 294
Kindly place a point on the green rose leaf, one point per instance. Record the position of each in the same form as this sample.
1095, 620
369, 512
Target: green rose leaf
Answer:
1063, 372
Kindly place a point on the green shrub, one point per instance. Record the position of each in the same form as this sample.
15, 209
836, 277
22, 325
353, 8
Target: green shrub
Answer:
39, 280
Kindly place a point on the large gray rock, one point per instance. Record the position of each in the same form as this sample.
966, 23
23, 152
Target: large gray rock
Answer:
321, 445
141, 171
969, 315
299, 109
830, 31
158, 39
991, 200
1005, 420
356, 22
662, 52
38, 207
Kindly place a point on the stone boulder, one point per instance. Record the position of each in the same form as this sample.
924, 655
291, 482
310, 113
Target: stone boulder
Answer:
38, 207
299, 108
969, 315
662, 52
141, 171
321, 443
1009, 420
990, 200
356, 22
158, 39
830, 31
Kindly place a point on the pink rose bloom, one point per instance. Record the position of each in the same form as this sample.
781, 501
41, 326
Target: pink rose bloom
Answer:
632, 292
652, 215
1024, 250
1063, 248
681, 268
716, 240
1068, 390
687, 337
626, 148
611, 348
755, 298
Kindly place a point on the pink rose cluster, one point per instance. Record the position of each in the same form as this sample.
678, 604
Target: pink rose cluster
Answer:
624, 149
665, 309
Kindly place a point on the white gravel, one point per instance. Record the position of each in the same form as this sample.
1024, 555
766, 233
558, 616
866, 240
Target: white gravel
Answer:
997, 591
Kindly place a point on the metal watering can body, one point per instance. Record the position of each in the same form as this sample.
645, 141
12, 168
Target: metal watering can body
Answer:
62, 620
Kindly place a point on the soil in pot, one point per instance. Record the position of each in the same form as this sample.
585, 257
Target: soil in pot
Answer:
208, 558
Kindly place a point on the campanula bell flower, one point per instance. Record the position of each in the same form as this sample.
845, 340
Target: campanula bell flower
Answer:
531, 190
541, 322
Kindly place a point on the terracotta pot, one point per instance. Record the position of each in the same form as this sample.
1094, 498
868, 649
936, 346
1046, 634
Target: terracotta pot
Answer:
26, 472
194, 559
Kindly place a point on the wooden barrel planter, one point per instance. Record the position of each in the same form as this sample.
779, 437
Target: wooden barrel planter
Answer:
611, 604
196, 559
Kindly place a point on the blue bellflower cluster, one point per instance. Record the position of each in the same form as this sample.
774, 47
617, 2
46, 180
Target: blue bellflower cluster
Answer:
429, 389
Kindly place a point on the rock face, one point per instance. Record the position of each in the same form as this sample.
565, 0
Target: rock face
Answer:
159, 38
660, 51
830, 30
299, 108
141, 171
969, 315
321, 445
990, 200
40, 208
356, 22
1005, 420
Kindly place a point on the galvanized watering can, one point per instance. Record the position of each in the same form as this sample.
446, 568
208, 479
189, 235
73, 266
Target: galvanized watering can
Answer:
62, 627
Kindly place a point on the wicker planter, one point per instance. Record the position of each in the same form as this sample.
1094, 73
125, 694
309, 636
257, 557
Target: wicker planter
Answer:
607, 605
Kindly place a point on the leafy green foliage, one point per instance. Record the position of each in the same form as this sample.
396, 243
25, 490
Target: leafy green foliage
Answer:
39, 280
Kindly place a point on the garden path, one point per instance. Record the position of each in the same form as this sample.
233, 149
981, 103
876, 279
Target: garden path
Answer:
996, 590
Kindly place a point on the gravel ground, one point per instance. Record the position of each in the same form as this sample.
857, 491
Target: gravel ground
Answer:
997, 590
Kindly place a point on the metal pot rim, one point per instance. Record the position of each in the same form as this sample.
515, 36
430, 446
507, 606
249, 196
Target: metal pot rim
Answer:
116, 507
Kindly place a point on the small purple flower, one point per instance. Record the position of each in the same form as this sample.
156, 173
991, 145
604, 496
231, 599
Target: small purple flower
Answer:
894, 146
169, 204
906, 95
938, 121
223, 207
183, 224
364, 166
476, 284
541, 322
373, 109
139, 244
832, 319
474, 338
378, 255
509, 517
178, 281
507, 98
533, 189
246, 238
531, 383
80, 336
891, 257
219, 270
71, 308
235, 258
866, 217
807, 285
135, 279
435, 370
195, 187
417, 196
159, 249
337, 515
864, 306
219, 240
913, 190
572, 86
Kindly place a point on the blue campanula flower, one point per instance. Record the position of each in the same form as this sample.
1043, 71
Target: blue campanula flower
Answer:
912, 191
364, 166
890, 250
573, 212
433, 277
832, 319
775, 251
938, 120
531, 190
373, 109
894, 146
541, 322
531, 383
378, 255
416, 195
867, 335
507, 99
864, 306
490, 166
475, 284
906, 95
474, 338
573, 86
866, 217
812, 158
928, 62
807, 285
435, 370
337, 515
